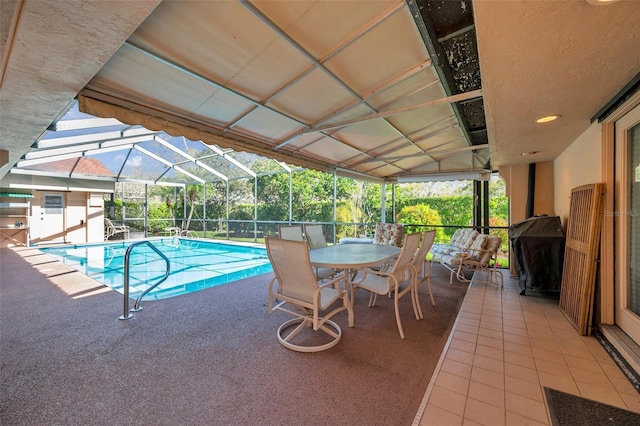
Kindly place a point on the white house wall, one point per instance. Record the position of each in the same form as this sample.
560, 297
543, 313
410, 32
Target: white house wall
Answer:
579, 164
82, 218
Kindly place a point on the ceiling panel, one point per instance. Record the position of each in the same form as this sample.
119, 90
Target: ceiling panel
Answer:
342, 152
222, 41
320, 84
375, 57
267, 125
312, 97
324, 27
446, 137
133, 74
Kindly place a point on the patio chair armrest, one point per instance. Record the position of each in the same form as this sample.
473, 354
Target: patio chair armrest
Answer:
367, 271
271, 293
338, 278
480, 252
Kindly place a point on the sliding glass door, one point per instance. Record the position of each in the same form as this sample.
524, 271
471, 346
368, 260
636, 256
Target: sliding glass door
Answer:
627, 219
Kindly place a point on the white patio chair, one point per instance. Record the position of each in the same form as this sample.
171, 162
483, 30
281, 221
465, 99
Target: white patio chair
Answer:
298, 293
291, 232
389, 282
316, 240
188, 233
294, 233
422, 268
482, 257
315, 236
110, 229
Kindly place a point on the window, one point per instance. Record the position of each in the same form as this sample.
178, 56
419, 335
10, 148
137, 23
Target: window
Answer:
53, 204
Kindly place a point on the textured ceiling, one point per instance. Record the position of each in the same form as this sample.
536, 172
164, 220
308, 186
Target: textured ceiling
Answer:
539, 58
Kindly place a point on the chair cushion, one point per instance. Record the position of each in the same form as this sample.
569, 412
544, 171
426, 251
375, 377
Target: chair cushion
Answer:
492, 246
389, 234
479, 243
328, 295
469, 236
456, 237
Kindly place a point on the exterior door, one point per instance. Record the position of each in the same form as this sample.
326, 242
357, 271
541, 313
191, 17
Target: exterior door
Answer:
627, 224
48, 223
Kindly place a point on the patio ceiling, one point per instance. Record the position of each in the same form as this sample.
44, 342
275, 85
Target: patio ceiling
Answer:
347, 86
388, 89
320, 84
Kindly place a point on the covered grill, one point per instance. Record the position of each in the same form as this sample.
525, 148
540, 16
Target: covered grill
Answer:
538, 248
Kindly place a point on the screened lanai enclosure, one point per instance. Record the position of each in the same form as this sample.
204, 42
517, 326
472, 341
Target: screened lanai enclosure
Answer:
309, 113
162, 182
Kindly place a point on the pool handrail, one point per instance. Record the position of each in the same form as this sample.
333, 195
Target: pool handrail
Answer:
127, 313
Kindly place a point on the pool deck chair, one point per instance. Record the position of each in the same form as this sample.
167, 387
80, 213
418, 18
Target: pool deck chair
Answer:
110, 229
389, 283
294, 233
188, 233
294, 290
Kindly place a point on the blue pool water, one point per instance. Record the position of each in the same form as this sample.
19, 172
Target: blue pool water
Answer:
195, 265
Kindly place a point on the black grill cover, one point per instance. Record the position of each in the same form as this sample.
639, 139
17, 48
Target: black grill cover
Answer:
538, 248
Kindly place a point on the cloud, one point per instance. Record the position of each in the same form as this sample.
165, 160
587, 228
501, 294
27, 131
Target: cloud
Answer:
135, 161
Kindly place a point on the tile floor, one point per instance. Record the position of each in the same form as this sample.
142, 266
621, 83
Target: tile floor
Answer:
504, 348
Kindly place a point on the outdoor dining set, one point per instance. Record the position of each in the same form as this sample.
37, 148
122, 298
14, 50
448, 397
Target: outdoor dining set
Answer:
314, 281
311, 276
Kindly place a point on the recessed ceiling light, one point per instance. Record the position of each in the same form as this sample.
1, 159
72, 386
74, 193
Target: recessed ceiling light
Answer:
600, 2
547, 118
529, 153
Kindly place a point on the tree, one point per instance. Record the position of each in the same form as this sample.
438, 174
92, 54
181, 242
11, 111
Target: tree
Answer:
192, 193
310, 188
421, 214
273, 196
169, 203
499, 229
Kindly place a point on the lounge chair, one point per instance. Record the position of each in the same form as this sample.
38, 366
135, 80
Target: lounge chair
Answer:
110, 229
470, 251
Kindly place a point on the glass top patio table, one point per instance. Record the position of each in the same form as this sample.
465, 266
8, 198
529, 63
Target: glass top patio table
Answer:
352, 256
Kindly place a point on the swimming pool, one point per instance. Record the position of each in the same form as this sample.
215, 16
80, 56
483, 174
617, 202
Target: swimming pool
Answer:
195, 264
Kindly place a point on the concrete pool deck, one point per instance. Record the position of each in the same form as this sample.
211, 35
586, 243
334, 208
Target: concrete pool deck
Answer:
71, 361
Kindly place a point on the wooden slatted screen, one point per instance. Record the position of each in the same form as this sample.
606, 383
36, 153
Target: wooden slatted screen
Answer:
581, 255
